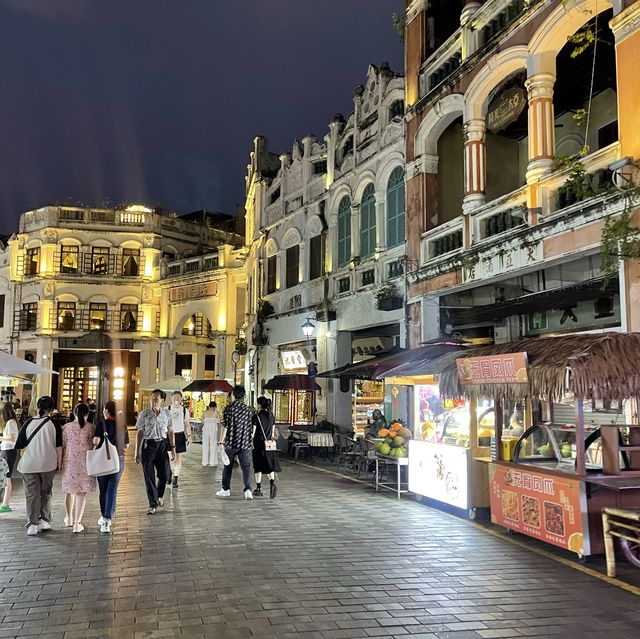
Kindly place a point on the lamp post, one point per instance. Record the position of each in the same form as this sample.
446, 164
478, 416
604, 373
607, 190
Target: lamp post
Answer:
308, 328
235, 358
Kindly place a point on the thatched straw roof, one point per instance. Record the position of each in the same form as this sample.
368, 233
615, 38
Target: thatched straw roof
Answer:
604, 366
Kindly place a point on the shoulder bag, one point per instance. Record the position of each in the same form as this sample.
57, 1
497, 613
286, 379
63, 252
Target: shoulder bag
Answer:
103, 460
269, 444
34, 433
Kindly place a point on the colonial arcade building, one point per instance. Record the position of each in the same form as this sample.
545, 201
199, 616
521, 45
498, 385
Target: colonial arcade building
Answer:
521, 139
83, 295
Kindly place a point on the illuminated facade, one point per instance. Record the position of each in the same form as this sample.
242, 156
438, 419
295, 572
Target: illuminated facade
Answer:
83, 295
519, 146
326, 234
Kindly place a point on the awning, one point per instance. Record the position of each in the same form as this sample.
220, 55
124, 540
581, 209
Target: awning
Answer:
380, 367
292, 382
177, 382
220, 386
12, 366
425, 364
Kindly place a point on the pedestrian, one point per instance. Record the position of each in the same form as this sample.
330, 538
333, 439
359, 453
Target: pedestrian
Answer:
181, 432
211, 420
116, 430
236, 439
153, 440
265, 461
378, 423
77, 439
8, 451
40, 440
92, 411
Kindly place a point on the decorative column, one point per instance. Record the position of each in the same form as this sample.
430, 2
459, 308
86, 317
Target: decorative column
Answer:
469, 36
474, 164
542, 141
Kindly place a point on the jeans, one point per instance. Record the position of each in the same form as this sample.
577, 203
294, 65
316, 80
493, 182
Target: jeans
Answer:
243, 456
109, 490
154, 460
38, 488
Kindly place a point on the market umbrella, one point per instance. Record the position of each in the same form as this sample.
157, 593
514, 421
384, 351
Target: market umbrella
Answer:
12, 366
209, 386
177, 382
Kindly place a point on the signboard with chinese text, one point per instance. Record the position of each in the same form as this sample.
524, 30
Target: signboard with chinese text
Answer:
193, 291
546, 507
439, 472
293, 361
510, 368
500, 262
506, 108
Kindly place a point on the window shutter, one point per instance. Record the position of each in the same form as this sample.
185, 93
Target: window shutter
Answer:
344, 231
395, 208
368, 222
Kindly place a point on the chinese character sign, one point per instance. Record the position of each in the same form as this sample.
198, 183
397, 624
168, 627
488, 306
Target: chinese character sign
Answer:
495, 369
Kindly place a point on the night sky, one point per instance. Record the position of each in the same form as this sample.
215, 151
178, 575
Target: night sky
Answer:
158, 101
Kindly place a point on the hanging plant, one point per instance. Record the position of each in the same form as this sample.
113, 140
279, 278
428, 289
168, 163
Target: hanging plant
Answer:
620, 240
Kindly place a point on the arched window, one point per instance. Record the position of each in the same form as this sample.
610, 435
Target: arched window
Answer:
395, 208
368, 222
344, 231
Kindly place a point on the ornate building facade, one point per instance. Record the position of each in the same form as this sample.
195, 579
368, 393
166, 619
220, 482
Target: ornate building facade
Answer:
521, 142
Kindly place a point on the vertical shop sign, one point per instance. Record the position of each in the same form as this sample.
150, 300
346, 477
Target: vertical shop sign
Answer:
546, 507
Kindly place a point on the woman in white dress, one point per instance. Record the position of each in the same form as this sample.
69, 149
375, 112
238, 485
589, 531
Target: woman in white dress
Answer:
210, 435
181, 430
8, 451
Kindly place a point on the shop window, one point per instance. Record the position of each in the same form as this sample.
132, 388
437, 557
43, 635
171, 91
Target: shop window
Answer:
131, 262
368, 222
69, 259
344, 231
395, 208
97, 316
316, 257
129, 318
66, 319
32, 262
368, 277
99, 260
293, 266
29, 316
210, 363
272, 273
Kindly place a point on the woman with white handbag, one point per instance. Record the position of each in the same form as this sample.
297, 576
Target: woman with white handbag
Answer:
111, 440
265, 454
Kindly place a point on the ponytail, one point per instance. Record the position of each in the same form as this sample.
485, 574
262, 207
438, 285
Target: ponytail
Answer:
45, 404
81, 412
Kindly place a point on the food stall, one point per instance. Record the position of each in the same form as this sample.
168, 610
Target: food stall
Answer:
579, 449
198, 394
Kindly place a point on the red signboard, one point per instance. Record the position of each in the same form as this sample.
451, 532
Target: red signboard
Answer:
546, 507
493, 369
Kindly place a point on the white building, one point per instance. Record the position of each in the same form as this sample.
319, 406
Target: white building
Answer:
325, 226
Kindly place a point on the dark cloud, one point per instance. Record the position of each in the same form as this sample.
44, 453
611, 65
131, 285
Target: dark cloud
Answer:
159, 100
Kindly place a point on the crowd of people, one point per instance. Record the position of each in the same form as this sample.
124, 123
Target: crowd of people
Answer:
40, 448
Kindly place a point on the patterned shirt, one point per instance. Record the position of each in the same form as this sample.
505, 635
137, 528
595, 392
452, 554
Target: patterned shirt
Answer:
237, 419
154, 426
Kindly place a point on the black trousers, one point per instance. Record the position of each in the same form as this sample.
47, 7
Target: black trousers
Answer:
243, 456
154, 460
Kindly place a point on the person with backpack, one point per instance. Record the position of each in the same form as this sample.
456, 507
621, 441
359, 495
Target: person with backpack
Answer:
181, 432
40, 440
265, 461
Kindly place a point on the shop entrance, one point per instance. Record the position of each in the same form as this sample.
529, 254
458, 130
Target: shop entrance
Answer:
77, 384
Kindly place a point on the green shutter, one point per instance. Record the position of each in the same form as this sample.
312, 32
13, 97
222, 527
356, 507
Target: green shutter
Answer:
395, 208
344, 231
368, 222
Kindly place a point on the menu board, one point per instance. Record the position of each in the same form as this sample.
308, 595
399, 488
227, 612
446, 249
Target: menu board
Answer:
543, 506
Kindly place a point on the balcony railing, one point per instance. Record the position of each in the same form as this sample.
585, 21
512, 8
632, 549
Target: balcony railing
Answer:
442, 240
87, 263
200, 264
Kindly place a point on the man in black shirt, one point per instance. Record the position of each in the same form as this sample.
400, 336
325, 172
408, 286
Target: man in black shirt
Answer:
236, 437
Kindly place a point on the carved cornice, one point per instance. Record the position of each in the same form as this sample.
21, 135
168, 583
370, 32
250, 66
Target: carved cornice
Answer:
626, 23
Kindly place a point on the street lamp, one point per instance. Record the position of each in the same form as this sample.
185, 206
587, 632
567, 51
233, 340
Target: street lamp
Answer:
235, 358
308, 328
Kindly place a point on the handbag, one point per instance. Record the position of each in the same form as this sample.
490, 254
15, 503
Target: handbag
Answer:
103, 460
269, 444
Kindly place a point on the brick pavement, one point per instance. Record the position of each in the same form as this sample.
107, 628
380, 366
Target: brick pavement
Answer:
328, 558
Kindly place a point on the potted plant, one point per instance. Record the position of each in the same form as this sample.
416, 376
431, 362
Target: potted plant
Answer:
241, 345
387, 298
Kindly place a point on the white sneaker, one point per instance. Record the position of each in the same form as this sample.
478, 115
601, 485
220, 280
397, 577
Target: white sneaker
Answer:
223, 493
33, 530
105, 527
101, 521
44, 525
248, 494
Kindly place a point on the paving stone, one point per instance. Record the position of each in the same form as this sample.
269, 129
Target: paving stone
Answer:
304, 565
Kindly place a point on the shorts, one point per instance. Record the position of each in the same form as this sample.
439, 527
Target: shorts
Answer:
181, 442
10, 457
